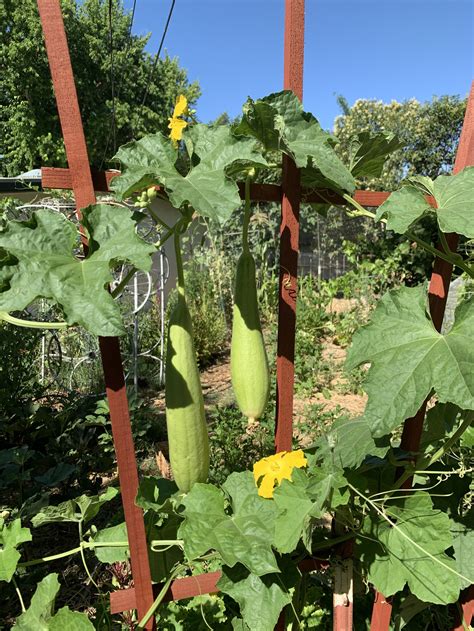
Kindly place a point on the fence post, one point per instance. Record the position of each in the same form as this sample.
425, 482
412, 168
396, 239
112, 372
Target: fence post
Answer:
76, 151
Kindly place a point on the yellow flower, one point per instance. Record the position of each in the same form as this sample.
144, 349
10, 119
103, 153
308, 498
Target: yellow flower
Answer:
274, 469
181, 106
177, 124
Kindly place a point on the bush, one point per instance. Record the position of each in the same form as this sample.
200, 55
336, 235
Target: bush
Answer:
207, 314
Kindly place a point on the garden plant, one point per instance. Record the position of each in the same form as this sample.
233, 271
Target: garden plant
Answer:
412, 543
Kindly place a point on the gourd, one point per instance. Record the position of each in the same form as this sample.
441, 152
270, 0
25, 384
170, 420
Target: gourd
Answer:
185, 419
248, 357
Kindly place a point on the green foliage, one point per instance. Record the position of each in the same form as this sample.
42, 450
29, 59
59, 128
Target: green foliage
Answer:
209, 324
18, 370
11, 536
280, 124
212, 152
347, 487
39, 614
30, 133
453, 197
398, 383
46, 264
412, 551
429, 133
233, 446
243, 537
79, 510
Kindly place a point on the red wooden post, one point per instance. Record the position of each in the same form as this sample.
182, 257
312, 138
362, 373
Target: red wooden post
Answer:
79, 169
289, 237
289, 244
438, 295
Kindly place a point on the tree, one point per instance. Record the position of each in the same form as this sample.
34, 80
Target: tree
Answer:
30, 133
429, 131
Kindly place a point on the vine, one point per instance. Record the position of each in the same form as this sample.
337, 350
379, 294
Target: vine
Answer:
405, 540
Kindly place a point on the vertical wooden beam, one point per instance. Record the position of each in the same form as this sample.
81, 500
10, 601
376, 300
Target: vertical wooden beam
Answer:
343, 596
438, 295
76, 150
289, 244
289, 237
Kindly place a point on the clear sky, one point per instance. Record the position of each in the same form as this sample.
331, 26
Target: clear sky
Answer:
383, 49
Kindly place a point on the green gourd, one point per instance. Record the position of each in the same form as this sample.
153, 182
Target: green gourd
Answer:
188, 439
248, 357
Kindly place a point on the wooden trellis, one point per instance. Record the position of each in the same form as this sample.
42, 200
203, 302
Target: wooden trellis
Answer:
83, 182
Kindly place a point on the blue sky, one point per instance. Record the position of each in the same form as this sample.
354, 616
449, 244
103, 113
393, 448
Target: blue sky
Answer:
384, 49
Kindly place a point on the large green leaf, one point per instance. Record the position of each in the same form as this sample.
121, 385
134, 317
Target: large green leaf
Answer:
399, 555
39, 615
409, 358
11, 536
207, 187
368, 152
156, 494
454, 200
296, 510
279, 123
69, 620
261, 599
47, 267
347, 443
80, 509
306, 497
244, 536
463, 544
114, 534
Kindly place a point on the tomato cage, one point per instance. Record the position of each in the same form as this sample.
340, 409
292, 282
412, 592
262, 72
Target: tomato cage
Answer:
290, 194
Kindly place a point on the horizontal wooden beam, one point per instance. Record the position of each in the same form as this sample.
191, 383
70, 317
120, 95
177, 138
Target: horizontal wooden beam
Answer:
189, 586
61, 179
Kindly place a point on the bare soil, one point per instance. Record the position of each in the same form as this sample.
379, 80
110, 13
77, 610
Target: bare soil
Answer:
217, 388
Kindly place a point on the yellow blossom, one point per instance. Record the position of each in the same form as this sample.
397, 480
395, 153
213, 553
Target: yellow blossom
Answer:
274, 469
177, 124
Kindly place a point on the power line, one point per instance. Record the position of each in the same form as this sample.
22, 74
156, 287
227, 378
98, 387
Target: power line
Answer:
115, 96
157, 56
112, 77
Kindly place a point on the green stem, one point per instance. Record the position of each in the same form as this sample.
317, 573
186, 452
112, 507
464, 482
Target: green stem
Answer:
394, 525
429, 461
439, 453
448, 256
160, 596
32, 324
123, 283
84, 545
333, 542
247, 211
83, 557
444, 242
20, 597
157, 219
454, 259
446, 473
361, 211
179, 262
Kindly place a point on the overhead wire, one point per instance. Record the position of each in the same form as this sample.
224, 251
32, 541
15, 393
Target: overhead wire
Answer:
112, 76
116, 93
157, 56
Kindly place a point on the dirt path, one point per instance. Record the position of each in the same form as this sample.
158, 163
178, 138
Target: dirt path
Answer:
217, 389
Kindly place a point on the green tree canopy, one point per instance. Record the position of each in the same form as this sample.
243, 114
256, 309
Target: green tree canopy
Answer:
30, 133
429, 131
